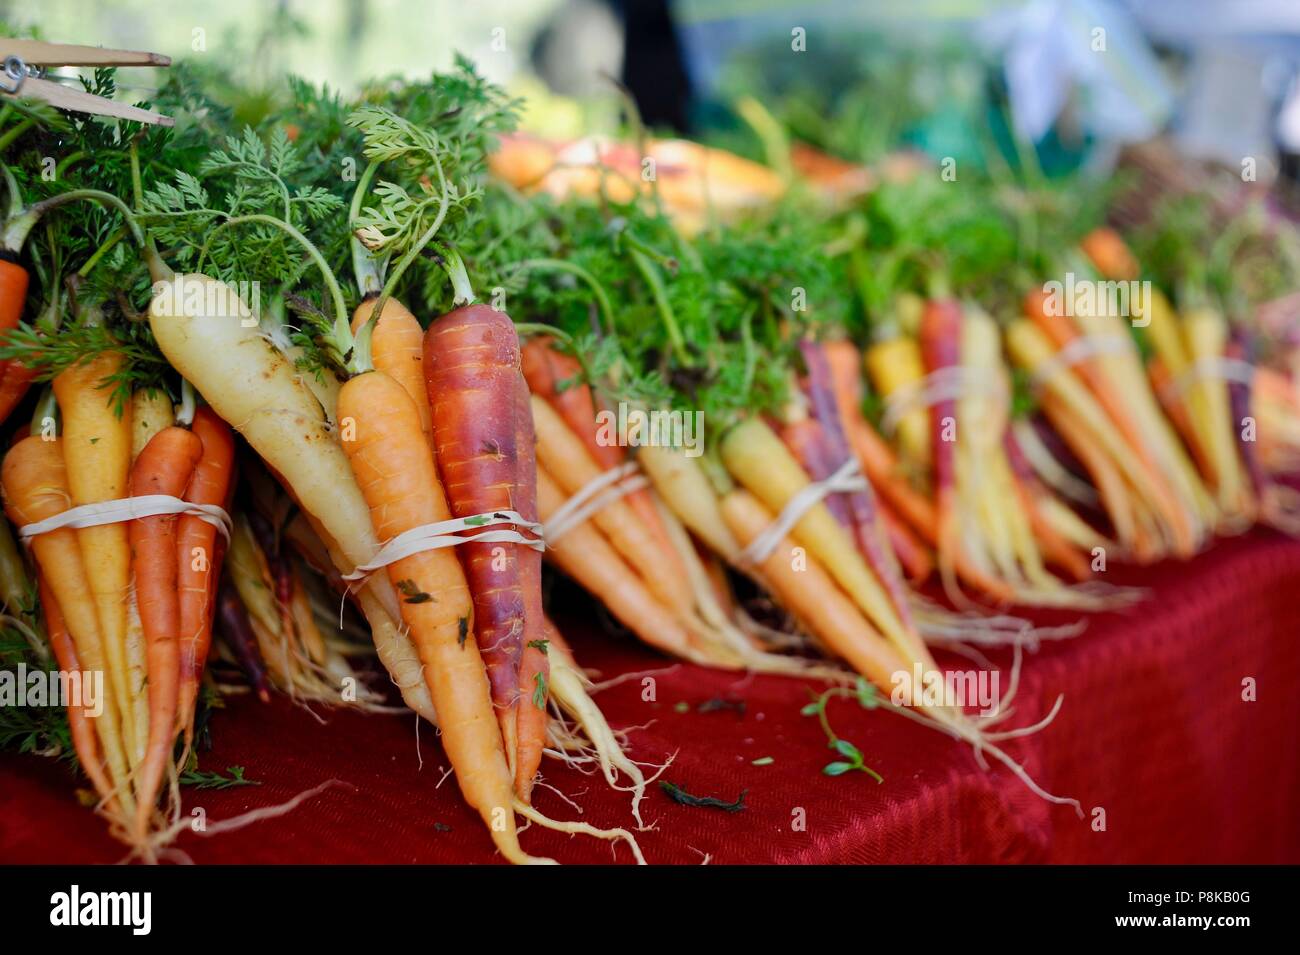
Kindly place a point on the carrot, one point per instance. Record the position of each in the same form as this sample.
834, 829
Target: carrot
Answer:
545, 369
1109, 253
683, 484
257, 391
812, 596
80, 727
471, 367
1065, 396
566, 460
940, 335
239, 635
534, 670
1110, 483
151, 411
97, 449
1206, 335
895, 364
35, 482
1120, 405
396, 475
199, 557
806, 442
14, 377
1029, 492
165, 466
396, 349
585, 555
1176, 407
804, 437
878, 460
881, 466
758, 460
1239, 395
864, 521
911, 550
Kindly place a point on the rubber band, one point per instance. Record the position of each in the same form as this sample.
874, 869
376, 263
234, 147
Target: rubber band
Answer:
945, 384
443, 534
848, 477
1227, 369
1076, 351
601, 491
127, 509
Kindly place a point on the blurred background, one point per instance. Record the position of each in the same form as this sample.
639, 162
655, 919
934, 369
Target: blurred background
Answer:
1078, 79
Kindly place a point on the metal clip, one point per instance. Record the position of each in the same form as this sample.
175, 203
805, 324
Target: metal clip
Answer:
15, 71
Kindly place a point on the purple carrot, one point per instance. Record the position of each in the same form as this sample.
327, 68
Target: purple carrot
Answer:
1239, 396
239, 634
1056, 447
806, 438
277, 562
863, 520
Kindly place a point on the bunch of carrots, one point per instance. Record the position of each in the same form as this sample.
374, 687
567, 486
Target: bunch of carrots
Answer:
932, 425
132, 599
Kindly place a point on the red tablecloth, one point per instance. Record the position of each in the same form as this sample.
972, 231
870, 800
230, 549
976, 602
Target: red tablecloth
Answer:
1154, 731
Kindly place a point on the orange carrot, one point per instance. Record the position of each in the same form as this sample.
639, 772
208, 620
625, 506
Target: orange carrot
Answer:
1109, 253
396, 475
880, 465
1028, 491
164, 467
79, 725
199, 557
911, 550
1108, 481
14, 378
808, 591
397, 349
876, 456
1176, 408
565, 458
1061, 330
35, 483
585, 555
545, 368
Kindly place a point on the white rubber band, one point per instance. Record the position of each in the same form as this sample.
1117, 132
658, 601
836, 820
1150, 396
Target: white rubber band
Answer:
848, 477
1228, 369
127, 509
443, 534
1079, 350
946, 384
601, 491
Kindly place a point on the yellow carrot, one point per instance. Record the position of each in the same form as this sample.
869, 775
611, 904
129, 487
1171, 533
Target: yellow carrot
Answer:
151, 412
760, 461
97, 450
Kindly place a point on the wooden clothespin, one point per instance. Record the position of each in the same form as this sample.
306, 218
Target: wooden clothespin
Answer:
25, 62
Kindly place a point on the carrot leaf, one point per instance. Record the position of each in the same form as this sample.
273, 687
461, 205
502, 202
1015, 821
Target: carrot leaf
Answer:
540, 691
214, 780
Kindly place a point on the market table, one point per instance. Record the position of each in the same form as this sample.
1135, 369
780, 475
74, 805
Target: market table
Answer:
1155, 739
